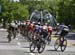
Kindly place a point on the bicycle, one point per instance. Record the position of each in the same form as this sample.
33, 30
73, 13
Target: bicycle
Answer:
60, 42
11, 33
39, 44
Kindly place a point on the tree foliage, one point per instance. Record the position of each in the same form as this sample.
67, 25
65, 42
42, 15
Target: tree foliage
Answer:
13, 11
66, 12
63, 10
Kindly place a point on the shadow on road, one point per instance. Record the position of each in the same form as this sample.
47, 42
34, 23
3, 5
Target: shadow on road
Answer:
25, 47
54, 50
30, 52
4, 42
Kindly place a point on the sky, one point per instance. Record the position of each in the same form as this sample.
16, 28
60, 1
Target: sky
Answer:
16, 0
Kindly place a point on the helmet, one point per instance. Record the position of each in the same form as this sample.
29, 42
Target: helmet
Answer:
46, 24
38, 22
33, 22
58, 24
12, 21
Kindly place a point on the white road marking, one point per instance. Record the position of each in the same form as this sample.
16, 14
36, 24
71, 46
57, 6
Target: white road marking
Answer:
16, 38
18, 43
31, 53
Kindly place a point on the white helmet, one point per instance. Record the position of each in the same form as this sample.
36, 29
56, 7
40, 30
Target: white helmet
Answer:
46, 23
12, 21
33, 22
58, 24
39, 23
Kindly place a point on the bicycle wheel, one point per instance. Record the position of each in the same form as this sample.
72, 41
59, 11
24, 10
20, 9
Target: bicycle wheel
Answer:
63, 46
57, 44
42, 47
32, 47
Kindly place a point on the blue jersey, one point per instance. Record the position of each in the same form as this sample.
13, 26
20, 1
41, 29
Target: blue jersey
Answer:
61, 27
37, 26
64, 27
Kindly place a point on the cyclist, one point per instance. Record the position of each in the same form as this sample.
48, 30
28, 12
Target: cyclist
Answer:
13, 26
31, 29
64, 31
50, 29
44, 31
12, 30
22, 25
36, 30
49, 33
27, 25
19, 26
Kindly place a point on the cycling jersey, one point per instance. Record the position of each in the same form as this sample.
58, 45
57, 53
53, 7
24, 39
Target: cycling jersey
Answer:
49, 29
64, 30
44, 31
31, 27
44, 27
28, 23
37, 27
13, 25
18, 23
64, 27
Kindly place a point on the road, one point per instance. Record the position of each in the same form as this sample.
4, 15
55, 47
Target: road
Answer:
20, 46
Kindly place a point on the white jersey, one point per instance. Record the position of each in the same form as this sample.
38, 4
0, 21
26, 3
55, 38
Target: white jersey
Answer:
18, 23
14, 25
37, 26
44, 27
23, 23
66, 28
40, 27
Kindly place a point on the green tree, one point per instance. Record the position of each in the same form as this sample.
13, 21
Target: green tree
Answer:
66, 12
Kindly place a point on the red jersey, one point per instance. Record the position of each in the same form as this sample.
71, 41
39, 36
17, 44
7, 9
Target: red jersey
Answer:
49, 29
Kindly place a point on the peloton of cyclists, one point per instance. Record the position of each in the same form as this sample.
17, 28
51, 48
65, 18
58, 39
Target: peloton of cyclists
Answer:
42, 29
34, 28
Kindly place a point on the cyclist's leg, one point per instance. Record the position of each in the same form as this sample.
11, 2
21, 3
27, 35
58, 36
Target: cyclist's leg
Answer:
62, 36
9, 34
49, 35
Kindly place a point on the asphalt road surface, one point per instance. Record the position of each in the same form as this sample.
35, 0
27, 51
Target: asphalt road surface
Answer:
20, 46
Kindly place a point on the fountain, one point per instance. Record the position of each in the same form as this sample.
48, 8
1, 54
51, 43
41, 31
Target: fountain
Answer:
43, 16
